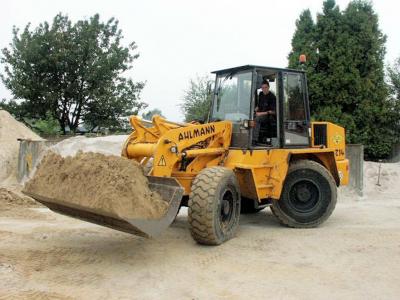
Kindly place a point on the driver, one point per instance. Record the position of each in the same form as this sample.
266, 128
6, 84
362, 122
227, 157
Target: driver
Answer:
265, 110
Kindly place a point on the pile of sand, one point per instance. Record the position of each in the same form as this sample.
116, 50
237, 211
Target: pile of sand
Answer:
109, 185
10, 199
10, 131
385, 181
383, 184
109, 145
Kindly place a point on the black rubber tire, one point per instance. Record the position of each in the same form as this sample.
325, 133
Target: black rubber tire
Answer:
247, 206
214, 206
308, 197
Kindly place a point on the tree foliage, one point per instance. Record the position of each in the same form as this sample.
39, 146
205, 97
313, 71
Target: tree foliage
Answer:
345, 70
13, 107
149, 114
394, 79
394, 88
46, 127
72, 70
197, 99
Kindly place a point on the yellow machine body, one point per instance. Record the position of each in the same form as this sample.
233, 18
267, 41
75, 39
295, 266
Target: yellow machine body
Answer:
237, 162
182, 150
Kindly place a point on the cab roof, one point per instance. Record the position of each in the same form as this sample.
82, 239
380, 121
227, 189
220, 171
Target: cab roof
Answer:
251, 67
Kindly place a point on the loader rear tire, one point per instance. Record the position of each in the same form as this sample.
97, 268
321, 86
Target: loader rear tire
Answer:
308, 197
214, 206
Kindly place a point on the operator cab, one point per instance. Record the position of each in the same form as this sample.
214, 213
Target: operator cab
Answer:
236, 96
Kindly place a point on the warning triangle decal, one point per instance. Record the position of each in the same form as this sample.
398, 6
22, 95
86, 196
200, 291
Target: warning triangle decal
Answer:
162, 162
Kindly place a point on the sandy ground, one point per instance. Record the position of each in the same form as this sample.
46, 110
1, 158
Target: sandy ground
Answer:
354, 255
43, 255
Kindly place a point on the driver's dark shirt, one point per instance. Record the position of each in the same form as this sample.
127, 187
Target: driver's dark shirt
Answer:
266, 102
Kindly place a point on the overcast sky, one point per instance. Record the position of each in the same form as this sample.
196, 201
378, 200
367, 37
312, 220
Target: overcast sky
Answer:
178, 40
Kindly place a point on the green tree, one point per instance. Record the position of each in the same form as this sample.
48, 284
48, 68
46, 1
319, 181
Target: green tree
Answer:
13, 107
346, 72
394, 88
303, 41
394, 79
197, 99
149, 114
46, 127
72, 70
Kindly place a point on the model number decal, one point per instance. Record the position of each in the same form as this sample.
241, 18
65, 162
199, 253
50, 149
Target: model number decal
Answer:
339, 152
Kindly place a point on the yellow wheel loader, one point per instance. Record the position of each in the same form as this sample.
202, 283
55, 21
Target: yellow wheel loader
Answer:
220, 169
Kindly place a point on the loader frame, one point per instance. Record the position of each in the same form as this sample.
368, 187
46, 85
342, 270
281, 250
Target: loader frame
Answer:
182, 150
214, 167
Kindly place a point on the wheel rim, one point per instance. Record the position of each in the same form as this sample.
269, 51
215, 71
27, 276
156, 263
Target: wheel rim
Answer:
304, 196
227, 206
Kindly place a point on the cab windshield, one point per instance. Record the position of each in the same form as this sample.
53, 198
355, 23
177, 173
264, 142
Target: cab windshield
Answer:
232, 97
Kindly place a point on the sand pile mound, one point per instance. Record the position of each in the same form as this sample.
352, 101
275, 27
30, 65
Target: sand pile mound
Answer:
110, 185
10, 131
389, 182
10, 199
389, 178
109, 145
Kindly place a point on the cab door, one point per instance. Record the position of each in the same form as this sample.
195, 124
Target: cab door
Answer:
295, 115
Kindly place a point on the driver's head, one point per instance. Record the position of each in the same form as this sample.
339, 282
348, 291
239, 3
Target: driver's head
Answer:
265, 87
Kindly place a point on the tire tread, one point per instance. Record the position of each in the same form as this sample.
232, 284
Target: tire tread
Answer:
200, 214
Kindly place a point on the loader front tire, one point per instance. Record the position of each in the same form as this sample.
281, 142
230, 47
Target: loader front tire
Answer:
214, 206
308, 197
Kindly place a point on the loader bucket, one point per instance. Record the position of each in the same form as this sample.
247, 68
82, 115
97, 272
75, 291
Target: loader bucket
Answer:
169, 189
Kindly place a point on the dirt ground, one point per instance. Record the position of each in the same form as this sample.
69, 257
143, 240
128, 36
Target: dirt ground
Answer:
354, 255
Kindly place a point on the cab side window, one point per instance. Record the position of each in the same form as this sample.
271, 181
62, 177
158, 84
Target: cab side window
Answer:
294, 113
